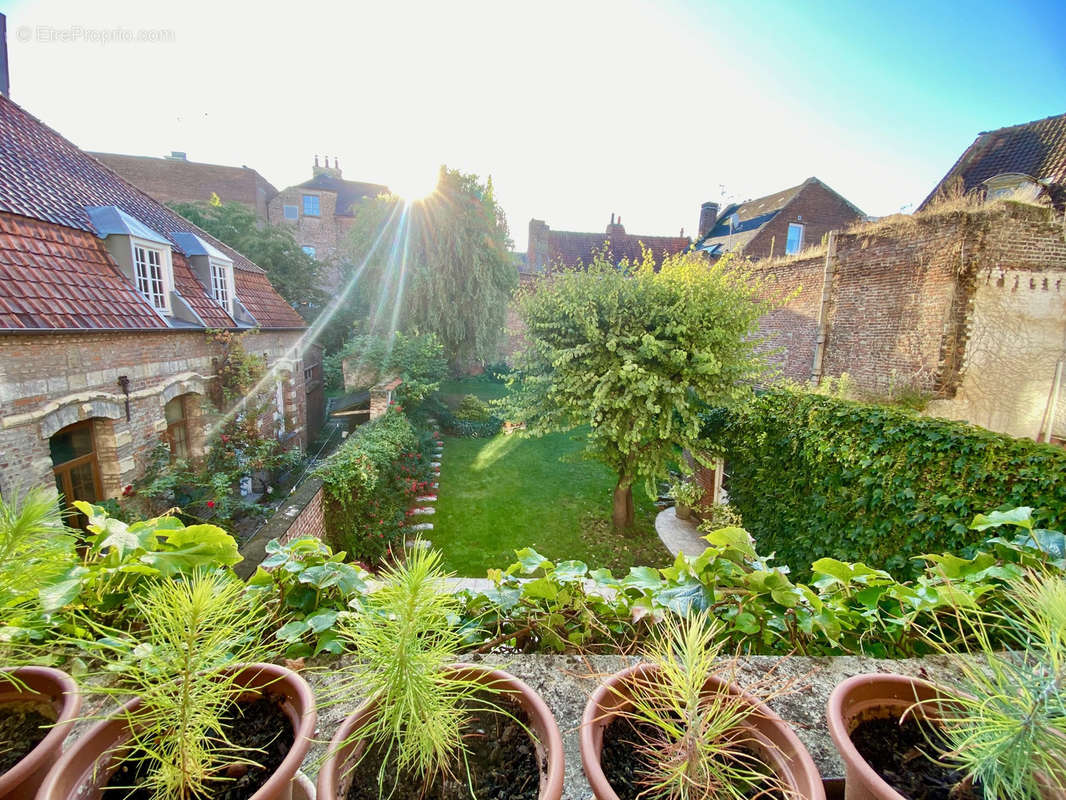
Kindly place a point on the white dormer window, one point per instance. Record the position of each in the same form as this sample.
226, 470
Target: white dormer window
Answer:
152, 276
220, 279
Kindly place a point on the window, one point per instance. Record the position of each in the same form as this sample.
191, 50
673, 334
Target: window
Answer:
148, 268
74, 466
309, 374
311, 205
795, 238
309, 250
220, 283
291, 212
177, 428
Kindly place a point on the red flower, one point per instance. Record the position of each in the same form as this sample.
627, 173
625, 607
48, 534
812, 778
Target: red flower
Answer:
210, 503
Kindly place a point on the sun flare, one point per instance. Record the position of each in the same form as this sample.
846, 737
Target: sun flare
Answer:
415, 183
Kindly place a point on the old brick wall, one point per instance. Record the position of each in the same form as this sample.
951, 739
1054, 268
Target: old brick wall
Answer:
49, 381
817, 208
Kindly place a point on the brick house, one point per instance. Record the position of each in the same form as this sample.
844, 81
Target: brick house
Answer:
783, 223
105, 299
1027, 161
175, 179
549, 249
321, 211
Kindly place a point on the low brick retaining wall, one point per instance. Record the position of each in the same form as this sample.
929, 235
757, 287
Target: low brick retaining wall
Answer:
300, 515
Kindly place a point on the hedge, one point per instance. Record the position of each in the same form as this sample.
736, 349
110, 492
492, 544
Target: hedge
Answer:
369, 483
815, 476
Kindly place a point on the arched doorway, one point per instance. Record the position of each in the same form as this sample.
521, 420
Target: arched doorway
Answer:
74, 465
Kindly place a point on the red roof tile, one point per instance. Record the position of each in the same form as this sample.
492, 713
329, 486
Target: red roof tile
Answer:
40, 262
45, 177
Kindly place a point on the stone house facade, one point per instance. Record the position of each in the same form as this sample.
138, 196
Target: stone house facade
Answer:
783, 223
107, 304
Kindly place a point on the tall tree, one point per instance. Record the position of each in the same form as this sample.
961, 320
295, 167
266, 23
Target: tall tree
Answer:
292, 272
439, 265
636, 355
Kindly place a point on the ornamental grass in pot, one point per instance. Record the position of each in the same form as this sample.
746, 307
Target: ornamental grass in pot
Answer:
677, 727
433, 728
200, 718
996, 732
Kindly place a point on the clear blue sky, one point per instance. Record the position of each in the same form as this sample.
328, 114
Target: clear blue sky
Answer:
577, 108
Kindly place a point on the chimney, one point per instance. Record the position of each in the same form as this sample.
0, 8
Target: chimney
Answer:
326, 169
708, 216
5, 86
615, 228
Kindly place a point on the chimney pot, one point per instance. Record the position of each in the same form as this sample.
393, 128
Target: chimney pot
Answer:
5, 85
708, 217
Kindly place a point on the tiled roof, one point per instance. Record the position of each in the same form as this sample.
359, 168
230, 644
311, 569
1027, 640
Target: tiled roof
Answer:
572, 247
348, 192
259, 297
57, 277
751, 216
44, 177
1036, 149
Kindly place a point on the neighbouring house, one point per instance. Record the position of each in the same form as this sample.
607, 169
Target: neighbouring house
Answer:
548, 249
321, 211
783, 223
1026, 162
175, 179
106, 300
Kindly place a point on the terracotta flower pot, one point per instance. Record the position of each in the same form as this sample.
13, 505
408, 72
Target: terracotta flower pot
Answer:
549, 744
87, 766
47, 687
862, 698
779, 746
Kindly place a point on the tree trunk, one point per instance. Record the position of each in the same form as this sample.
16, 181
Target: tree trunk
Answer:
623, 515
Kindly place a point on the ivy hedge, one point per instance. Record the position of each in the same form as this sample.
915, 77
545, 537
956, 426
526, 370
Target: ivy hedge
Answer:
369, 483
815, 476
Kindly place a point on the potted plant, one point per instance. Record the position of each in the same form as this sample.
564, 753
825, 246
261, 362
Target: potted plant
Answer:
204, 719
37, 706
686, 495
430, 724
676, 727
996, 732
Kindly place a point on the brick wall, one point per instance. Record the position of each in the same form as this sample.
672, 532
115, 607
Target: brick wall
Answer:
49, 381
908, 298
817, 208
326, 232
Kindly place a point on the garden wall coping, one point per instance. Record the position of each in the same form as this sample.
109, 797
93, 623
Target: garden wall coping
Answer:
254, 550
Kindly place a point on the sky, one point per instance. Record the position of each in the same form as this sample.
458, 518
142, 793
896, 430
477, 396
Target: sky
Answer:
577, 108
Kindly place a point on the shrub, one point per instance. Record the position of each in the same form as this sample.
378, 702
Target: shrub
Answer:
368, 484
472, 429
816, 476
417, 359
473, 408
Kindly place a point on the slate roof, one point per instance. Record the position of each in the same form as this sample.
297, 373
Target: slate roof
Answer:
45, 178
349, 193
1036, 149
752, 216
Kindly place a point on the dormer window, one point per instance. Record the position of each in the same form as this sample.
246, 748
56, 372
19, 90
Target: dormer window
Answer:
220, 280
149, 270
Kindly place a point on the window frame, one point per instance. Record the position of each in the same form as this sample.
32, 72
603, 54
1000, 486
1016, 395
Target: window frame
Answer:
317, 204
166, 271
788, 238
227, 278
62, 472
285, 211
178, 430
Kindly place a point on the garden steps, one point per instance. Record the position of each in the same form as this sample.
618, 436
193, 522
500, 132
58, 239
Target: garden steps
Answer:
426, 498
679, 535
423, 511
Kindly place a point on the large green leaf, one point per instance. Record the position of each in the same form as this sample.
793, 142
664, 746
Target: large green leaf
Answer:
1021, 517
193, 547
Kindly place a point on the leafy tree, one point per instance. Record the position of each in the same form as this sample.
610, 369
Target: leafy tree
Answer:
294, 273
637, 355
440, 265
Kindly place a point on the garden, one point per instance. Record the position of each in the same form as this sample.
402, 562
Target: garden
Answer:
907, 576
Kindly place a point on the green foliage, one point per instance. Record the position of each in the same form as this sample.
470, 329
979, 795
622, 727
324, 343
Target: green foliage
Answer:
417, 359
369, 482
818, 476
687, 493
440, 266
294, 274
1003, 724
473, 409
313, 585
847, 607
696, 747
195, 631
636, 354
404, 639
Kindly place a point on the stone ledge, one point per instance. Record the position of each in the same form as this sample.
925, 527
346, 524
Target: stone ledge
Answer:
254, 550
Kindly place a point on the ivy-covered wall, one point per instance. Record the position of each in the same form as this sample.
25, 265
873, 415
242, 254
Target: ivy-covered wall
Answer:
814, 476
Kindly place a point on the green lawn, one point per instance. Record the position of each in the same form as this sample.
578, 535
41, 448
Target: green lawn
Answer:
501, 494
